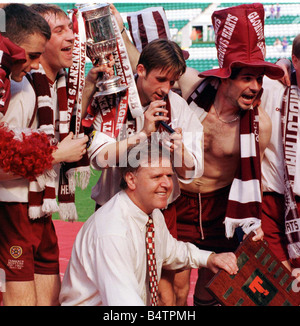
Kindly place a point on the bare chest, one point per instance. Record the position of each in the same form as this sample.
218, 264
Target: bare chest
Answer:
221, 140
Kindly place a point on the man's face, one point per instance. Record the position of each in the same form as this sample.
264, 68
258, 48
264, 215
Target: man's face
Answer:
58, 52
151, 186
154, 85
242, 91
34, 46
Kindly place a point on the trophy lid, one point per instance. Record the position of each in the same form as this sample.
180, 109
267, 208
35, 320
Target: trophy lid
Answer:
85, 7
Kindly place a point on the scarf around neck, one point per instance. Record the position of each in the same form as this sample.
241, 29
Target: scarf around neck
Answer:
244, 202
42, 195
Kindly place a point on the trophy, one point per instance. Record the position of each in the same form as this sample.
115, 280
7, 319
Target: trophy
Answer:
101, 41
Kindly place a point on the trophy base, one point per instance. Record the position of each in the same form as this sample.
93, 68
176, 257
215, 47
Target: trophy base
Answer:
110, 86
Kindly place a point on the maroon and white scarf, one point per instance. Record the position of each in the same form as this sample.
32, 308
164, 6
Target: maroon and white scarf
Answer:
42, 197
244, 203
148, 24
289, 127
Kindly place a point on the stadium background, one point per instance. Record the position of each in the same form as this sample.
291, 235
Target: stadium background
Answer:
189, 24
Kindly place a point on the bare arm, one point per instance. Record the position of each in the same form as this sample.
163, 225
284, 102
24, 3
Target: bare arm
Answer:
183, 160
265, 130
132, 51
188, 82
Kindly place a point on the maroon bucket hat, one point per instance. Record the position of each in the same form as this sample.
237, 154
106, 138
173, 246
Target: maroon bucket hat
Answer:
240, 41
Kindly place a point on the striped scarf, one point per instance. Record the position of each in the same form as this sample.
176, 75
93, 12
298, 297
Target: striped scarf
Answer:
244, 203
289, 127
147, 25
42, 197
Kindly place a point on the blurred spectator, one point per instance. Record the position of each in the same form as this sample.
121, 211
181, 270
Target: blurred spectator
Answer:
272, 12
284, 44
277, 44
277, 11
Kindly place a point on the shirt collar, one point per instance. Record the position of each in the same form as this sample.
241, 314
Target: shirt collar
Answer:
138, 216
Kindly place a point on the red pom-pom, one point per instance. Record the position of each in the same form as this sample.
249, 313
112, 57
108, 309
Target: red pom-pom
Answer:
29, 156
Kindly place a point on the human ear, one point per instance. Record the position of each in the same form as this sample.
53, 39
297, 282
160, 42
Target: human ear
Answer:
141, 71
130, 180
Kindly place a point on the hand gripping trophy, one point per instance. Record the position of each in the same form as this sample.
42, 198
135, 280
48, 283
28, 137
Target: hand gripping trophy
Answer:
101, 41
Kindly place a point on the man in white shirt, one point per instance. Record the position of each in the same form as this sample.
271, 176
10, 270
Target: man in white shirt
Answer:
108, 262
282, 105
156, 75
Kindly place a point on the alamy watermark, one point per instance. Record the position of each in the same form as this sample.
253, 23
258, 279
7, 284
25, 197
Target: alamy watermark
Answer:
183, 158
2, 21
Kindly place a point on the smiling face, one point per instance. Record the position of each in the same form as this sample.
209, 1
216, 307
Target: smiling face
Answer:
34, 46
58, 52
241, 91
149, 187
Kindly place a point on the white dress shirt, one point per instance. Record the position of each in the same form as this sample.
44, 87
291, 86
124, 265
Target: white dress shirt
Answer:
108, 264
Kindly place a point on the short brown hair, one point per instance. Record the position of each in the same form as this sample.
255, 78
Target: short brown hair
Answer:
163, 54
47, 9
22, 21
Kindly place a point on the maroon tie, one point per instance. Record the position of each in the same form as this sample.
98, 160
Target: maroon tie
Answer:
150, 248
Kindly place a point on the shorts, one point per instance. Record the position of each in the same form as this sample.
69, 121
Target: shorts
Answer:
170, 219
200, 220
27, 247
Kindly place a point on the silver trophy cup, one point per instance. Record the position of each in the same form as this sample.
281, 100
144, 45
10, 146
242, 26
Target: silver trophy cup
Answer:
101, 41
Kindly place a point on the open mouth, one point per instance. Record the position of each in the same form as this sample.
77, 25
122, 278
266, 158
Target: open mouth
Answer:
248, 97
67, 49
159, 96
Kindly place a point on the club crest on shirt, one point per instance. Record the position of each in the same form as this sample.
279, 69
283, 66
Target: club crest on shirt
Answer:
16, 251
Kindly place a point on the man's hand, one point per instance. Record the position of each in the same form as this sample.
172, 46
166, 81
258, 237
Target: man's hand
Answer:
70, 149
226, 261
259, 234
152, 116
174, 141
93, 74
91, 80
117, 15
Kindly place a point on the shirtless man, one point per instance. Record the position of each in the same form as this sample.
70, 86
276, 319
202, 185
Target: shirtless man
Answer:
239, 84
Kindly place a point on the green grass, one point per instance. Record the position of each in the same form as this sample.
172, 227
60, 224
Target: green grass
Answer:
84, 204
